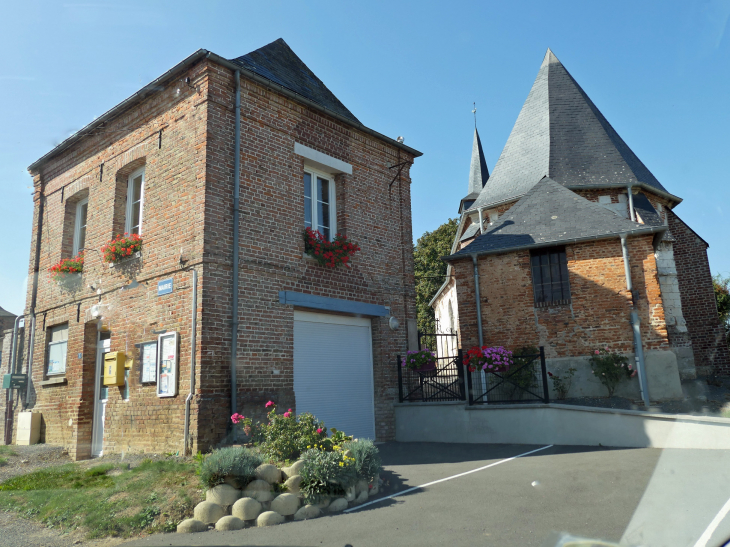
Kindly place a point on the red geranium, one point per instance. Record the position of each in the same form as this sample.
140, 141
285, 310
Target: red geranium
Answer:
121, 247
68, 265
329, 253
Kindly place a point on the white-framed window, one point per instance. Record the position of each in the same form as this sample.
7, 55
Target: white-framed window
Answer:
135, 202
57, 346
82, 209
319, 203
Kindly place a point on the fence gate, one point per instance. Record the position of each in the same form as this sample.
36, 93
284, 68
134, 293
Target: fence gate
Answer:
525, 381
445, 382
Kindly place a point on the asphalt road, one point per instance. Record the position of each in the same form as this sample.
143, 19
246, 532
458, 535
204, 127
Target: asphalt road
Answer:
650, 497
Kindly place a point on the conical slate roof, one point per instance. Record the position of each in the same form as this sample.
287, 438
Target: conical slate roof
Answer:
478, 172
561, 134
550, 214
277, 62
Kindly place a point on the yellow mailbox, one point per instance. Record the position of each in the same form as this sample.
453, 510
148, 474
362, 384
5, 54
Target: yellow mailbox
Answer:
114, 368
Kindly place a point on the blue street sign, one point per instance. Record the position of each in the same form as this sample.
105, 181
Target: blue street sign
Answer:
164, 287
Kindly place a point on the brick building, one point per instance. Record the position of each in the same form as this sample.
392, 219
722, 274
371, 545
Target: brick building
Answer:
552, 237
163, 164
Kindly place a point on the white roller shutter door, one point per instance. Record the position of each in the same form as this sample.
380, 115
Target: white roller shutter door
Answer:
333, 371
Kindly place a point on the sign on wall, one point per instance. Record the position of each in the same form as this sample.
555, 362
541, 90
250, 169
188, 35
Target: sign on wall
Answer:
148, 360
167, 365
164, 287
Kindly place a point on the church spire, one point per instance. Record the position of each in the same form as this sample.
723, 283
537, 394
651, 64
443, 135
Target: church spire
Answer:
478, 171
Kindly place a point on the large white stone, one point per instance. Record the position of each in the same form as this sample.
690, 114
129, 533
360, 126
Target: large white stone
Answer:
223, 494
260, 490
362, 497
285, 504
246, 509
293, 484
269, 473
229, 523
209, 512
293, 469
307, 512
190, 526
269, 518
361, 486
340, 504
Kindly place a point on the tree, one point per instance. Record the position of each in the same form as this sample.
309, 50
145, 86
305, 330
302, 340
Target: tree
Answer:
722, 297
430, 270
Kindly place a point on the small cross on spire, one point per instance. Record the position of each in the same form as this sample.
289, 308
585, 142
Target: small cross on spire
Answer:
474, 111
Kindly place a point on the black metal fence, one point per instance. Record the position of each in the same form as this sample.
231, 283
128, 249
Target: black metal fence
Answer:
526, 381
444, 383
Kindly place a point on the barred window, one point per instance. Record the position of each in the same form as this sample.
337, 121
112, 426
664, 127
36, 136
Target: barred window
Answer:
550, 276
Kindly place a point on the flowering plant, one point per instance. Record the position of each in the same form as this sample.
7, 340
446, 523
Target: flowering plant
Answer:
329, 253
611, 368
121, 247
496, 359
562, 383
68, 266
423, 360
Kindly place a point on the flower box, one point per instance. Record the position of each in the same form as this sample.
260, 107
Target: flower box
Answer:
329, 253
122, 248
67, 272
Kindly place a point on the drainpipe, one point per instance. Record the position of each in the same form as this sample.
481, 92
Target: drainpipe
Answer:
481, 222
478, 299
635, 325
30, 361
236, 195
632, 213
9, 393
193, 338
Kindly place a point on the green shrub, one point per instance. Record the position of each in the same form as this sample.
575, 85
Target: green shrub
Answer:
286, 436
611, 368
327, 474
367, 458
238, 462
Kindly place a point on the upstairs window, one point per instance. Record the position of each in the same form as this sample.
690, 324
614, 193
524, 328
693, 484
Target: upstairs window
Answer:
135, 202
82, 208
57, 348
550, 276
319, 203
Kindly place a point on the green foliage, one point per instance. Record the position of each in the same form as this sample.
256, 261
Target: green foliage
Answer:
722, 297
522, 374
562, 383
59, 478
327, 474
367, 458
235, 461
430, 270
611, 368
286, 436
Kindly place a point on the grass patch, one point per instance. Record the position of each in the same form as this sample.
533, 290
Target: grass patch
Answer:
152, 497
6, 450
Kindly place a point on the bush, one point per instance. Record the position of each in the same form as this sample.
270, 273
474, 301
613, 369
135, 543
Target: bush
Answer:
327, 474
611, 368
367, 458
237, 462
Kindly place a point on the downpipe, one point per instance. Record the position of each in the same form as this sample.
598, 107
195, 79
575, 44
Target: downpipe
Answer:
9, 393
193, 343
236, 214
478, 300
635, 326
30, 361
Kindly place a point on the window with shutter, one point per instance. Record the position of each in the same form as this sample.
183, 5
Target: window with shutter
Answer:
550, 276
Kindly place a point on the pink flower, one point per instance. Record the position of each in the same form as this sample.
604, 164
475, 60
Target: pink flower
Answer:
289, 410
633, 374
319, 430
606, 349
237, 417
287, 414
270, 403
597, 352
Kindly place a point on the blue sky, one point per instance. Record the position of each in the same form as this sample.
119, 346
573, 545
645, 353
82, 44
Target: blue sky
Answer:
658, 70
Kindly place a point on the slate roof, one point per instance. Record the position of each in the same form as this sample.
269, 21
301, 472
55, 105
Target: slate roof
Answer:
478, 173
6, 313
644, 208
470, 232
561, 134
550, 214
277, 62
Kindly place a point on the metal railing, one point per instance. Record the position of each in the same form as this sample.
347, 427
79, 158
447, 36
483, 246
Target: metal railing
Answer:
443, 383
525, 381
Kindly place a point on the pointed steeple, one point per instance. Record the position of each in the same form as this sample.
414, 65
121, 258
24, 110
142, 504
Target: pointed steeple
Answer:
478, 172
560, 134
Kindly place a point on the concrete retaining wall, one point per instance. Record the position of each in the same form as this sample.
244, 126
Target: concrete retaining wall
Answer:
557, 424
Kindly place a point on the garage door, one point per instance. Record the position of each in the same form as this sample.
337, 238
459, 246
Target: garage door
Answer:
333, 371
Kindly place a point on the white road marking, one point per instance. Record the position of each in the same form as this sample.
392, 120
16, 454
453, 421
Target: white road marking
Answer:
707, 534
446, 479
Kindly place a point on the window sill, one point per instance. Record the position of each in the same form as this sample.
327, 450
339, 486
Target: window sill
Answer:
554, 304
135, 256
306, 256
54, 381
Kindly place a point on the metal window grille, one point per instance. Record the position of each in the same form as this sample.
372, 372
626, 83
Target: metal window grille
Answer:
550, 276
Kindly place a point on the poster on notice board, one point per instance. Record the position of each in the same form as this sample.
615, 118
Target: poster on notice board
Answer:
167, 365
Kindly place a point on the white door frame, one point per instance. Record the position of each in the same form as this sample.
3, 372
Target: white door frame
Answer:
99, 416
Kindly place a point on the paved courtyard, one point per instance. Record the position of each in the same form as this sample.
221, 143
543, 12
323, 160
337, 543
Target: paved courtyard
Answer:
648, 497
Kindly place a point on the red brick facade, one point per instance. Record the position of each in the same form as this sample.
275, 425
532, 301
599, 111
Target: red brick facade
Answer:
184, 139
698, 299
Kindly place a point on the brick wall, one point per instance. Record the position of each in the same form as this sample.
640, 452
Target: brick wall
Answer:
698, 299
597, 317
187, 223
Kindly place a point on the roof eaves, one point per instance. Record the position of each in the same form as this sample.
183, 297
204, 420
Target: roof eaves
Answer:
140, 95
639, 231
300, 98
